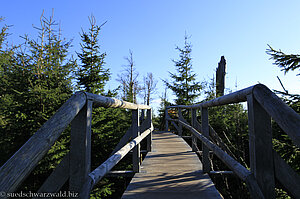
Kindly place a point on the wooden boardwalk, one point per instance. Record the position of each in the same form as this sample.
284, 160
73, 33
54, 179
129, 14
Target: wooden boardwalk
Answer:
171, 170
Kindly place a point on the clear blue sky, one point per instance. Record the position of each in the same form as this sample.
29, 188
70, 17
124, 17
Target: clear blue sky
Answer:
239, 30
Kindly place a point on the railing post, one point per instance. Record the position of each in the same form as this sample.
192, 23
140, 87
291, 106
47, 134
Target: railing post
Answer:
142, 118
194, 138
166, 120
136, 156
149, 137
80, 148
205, 131
260, 147
179, 125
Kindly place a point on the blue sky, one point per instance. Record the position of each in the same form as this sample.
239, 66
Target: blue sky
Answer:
239, 30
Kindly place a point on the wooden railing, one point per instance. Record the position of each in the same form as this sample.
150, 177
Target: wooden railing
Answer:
265, 163
75, 166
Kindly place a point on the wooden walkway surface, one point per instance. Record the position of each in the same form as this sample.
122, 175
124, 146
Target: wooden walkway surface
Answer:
171, 170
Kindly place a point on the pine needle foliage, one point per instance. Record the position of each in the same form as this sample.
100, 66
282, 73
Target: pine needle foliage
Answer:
91, 74
287, 62
108, 124
183, 83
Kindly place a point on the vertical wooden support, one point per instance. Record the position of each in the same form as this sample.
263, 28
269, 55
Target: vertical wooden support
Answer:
166, 119
260, 147
179, 125
136, 156
149, 137
220, 77
142, 118
194, 138
205, 131
80, 148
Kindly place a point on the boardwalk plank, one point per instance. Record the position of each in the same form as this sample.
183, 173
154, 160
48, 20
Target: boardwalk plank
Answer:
171, 170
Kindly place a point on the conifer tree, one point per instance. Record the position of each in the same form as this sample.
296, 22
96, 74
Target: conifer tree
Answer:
161, 111
91, 74
108, 124
39, 78
183, 82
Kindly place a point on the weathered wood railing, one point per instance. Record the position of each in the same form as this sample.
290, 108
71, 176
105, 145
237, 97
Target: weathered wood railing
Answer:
265, 163
75, 166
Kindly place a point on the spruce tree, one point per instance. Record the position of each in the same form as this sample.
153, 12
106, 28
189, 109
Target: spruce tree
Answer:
161, 110
108, 124
38, 81
91, 74
4, 60
183, 83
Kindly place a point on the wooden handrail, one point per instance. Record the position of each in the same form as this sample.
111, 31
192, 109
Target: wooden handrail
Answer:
107, 102
283, 115
263, 105
95, 176
19, 166
235, 97
243, 173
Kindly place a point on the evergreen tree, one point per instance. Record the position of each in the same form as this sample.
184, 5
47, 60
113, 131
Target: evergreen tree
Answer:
108, 124
5, 55
37, 80
160, 120
91, 74
183, 84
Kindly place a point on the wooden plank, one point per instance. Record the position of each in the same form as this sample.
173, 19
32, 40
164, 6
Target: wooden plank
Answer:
171, 170
284, 115
57, 178
18, 167
261, 147
286, 176
80, 148
205, 132
136, 156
